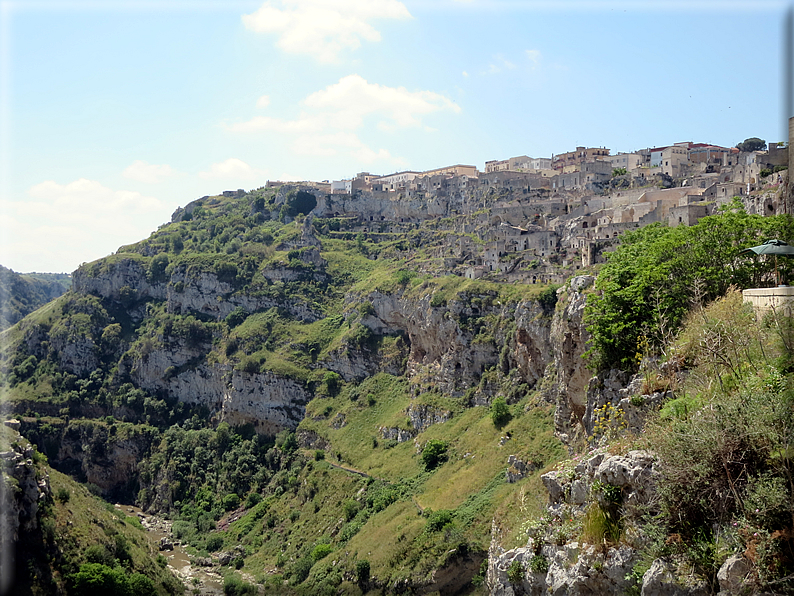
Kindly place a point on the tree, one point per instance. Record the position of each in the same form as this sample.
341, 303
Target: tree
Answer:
752, 144
649, 283
434, 453
332, 382
362, 571
301, 202
95, 579
619, 172
500, 412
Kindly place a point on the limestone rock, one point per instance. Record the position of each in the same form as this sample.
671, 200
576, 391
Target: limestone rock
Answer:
659, 580
423, 416
733, 576
393, 433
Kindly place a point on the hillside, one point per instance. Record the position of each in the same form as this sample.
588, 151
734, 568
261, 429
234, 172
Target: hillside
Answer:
21, 294
319, 406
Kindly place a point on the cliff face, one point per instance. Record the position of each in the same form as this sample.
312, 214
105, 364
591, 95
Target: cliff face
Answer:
25, 486
450, 352
450, 346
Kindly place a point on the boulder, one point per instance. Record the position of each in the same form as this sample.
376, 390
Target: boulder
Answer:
733, 576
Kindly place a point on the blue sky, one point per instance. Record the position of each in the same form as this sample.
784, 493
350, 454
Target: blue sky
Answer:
114, 113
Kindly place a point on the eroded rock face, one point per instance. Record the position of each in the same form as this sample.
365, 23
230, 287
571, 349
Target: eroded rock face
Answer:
443, 351
394, 433
614, 392
125, 273
195, 291
423, 416
23, 491
572, 570
568, 340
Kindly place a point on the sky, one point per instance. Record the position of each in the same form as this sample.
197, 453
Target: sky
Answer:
115, 113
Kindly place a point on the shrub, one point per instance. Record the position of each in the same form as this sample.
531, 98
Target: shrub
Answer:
63, 495
214, 543
515, 573
321, 551
434, 453
538, 564
237, 316
439, 519
650, 281
98, 553
231, 501
234, 586
332, 382
253, 499
95, 579
350, 508
500, 412
300, 570
140, 585
319, 455
362, 571
403, 276
548, 298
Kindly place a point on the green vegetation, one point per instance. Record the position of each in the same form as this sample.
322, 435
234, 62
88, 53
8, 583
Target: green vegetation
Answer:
21, 294
500, 412
83, 545
752, 144
724, 457
656, 274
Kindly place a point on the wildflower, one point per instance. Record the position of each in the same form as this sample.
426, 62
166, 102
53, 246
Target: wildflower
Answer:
756, 510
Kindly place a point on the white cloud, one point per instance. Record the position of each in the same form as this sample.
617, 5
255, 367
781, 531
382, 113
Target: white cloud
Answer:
533, 56
323, 28
263, 101
353, 97
70, 202
465, 74
146, 172
330, 117
499, 64
231, 169
60, 225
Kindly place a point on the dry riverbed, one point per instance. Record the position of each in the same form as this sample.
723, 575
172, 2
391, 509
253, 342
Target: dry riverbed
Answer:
197, 573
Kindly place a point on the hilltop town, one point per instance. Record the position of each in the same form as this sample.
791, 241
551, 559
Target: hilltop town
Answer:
539, 220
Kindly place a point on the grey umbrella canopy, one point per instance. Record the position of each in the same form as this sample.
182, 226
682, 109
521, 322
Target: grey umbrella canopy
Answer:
772, 247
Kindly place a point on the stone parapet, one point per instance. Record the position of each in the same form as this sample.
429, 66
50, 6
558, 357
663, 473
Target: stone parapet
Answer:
764, 300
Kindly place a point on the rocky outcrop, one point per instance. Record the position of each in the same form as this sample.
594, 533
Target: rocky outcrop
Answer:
569, 376
733, 576
309, 439
660, 580
123, 280
518, 469
25, 486
549, 566
614, 395
450, 355
267, 401
192, 290
571, 570
423, 416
